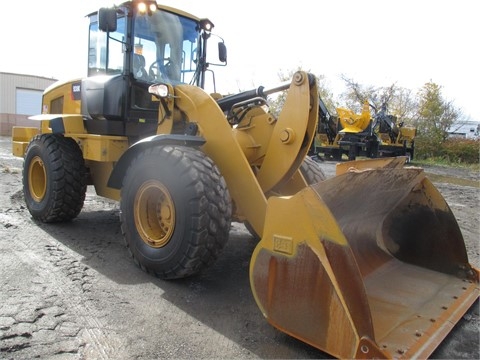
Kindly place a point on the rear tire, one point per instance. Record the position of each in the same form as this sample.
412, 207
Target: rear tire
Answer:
175, 211
54, 178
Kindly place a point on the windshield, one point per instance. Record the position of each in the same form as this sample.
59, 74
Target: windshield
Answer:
165, 47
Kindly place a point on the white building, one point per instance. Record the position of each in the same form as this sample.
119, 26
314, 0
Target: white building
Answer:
20, 97
466, 129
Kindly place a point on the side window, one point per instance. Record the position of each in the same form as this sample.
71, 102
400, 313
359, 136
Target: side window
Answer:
97, 51
116, 48
105, 53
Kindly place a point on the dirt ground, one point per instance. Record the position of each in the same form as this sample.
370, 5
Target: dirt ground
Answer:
70, 291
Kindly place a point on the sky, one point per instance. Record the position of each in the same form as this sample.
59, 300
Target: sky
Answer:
373, 42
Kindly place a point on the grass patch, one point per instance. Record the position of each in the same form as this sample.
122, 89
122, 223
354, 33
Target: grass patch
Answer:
452, 180
445, 163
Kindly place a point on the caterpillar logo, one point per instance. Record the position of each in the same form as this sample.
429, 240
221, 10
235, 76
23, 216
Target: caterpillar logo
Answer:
76, 90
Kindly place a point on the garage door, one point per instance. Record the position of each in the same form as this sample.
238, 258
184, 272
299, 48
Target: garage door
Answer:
28, 102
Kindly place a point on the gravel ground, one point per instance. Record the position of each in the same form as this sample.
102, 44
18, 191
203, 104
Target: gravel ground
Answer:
70, 291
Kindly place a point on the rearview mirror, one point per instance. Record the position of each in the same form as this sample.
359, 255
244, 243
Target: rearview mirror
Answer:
107, 19
222, 52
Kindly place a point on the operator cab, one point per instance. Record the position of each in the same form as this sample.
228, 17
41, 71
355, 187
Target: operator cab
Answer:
132, 46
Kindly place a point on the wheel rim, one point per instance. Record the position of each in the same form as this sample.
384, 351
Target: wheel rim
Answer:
37, 179
154, 214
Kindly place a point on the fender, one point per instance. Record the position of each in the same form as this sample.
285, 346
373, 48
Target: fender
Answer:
61, 123
118, 172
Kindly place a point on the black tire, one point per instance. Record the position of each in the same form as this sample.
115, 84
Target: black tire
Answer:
372, 149
311, 171
54, 178
175, 211
352, 152
337, 154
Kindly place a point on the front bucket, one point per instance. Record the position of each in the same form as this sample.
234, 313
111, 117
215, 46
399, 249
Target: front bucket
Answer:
368, 264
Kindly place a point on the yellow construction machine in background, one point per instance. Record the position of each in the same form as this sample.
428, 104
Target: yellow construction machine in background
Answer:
354, 135
368, 264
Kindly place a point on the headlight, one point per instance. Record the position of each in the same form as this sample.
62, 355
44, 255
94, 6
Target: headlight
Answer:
153, 7
206, 25
142, 7
159, 90
147, 6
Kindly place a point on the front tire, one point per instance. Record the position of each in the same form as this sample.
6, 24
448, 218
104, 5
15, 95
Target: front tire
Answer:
311, 171
54, 178
175, 211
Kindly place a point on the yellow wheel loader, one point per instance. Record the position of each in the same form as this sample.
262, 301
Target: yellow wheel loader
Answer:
354, 135
346, 133
396, 139
370, 263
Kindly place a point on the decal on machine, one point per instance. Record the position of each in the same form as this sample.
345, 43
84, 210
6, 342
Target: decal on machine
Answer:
76, 90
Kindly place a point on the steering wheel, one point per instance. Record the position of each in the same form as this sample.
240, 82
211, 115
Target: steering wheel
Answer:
156, 72
153, 70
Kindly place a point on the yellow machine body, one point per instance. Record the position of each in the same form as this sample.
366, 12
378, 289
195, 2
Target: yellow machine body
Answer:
370, 263
405, 137
352, 122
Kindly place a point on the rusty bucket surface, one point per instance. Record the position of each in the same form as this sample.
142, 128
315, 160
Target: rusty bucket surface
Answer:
368, 264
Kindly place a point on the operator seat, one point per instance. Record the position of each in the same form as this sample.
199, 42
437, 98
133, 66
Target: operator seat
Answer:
139, 71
